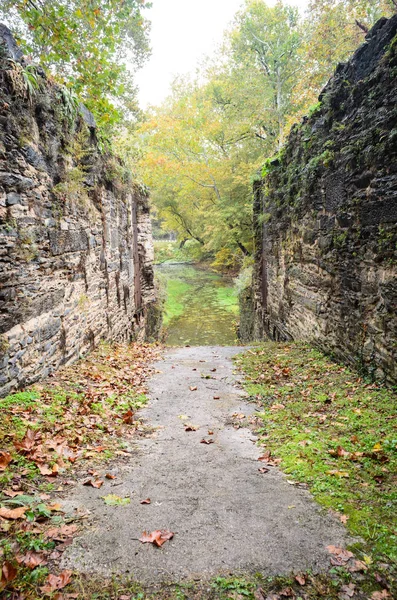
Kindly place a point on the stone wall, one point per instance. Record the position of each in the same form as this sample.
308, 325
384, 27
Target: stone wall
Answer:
326, 213
75, 237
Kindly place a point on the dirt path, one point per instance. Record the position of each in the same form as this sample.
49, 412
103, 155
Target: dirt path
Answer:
226, 515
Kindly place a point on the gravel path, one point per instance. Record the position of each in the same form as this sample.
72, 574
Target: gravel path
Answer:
227, 516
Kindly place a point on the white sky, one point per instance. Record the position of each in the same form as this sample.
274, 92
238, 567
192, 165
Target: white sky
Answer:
182, 32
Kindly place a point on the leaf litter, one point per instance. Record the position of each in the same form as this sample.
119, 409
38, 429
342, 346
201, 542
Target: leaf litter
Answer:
82, 413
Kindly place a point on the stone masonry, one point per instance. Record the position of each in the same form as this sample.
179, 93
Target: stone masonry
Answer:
326, 218
75, 237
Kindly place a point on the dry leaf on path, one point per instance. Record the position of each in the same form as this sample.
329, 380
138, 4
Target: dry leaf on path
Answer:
157, 537
204, 441
59, 533
190, 427
56, 582
380, 595
341, 554
147, 501
193, 388
93, 483
8, 573
263, 470
5, 459
110, 476
358, 565
13, 513
13, 493
128, 417
217, 397
113, 500
32, 559
347, 591
300, 578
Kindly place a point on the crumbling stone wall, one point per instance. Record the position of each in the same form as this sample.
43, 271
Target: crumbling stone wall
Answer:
75, 237
326, 213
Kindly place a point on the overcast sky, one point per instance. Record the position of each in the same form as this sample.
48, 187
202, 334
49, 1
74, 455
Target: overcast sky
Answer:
182, 32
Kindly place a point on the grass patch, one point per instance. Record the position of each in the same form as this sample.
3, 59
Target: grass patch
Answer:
333, 431
227, 298
174, 304
51, 435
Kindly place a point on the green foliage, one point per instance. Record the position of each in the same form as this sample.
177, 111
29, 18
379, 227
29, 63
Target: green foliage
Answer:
330, 430
87, 45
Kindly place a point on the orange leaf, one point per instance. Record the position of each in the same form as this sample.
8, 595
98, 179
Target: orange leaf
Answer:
13, 513
56, 582
204, 441
5, 459
128, 417
8, 573
95, 484
189, 427
301, 579
147, 501
27, 442
157, 537
32, 559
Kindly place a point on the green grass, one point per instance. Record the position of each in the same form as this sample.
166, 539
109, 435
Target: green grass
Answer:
174, 305
334, 432
228, 299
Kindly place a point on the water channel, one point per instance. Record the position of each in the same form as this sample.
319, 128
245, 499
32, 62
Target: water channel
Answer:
201, 308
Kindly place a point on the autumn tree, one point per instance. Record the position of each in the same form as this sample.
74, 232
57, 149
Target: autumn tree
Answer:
87, 44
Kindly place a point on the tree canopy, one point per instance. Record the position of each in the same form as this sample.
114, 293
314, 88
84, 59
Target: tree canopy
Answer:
202, 147
87, 44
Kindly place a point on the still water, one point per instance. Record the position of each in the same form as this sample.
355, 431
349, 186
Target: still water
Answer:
201, 308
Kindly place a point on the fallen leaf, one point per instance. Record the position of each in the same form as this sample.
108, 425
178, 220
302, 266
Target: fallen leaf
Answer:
300, 578
12, 493
343, 519
110, 476
204, 441
277, 407
157, 538
27, 442
380, 595
210, 432
54, 507
348, 591
56, 582
287, 592
263, 470
93, 483
59, 533
217, 397
128, 417
113, 500
190, 427
358, 565
147, 501
5, 459
193, 388
32, 559
8, 573
341, 554
338, 473
13, 513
